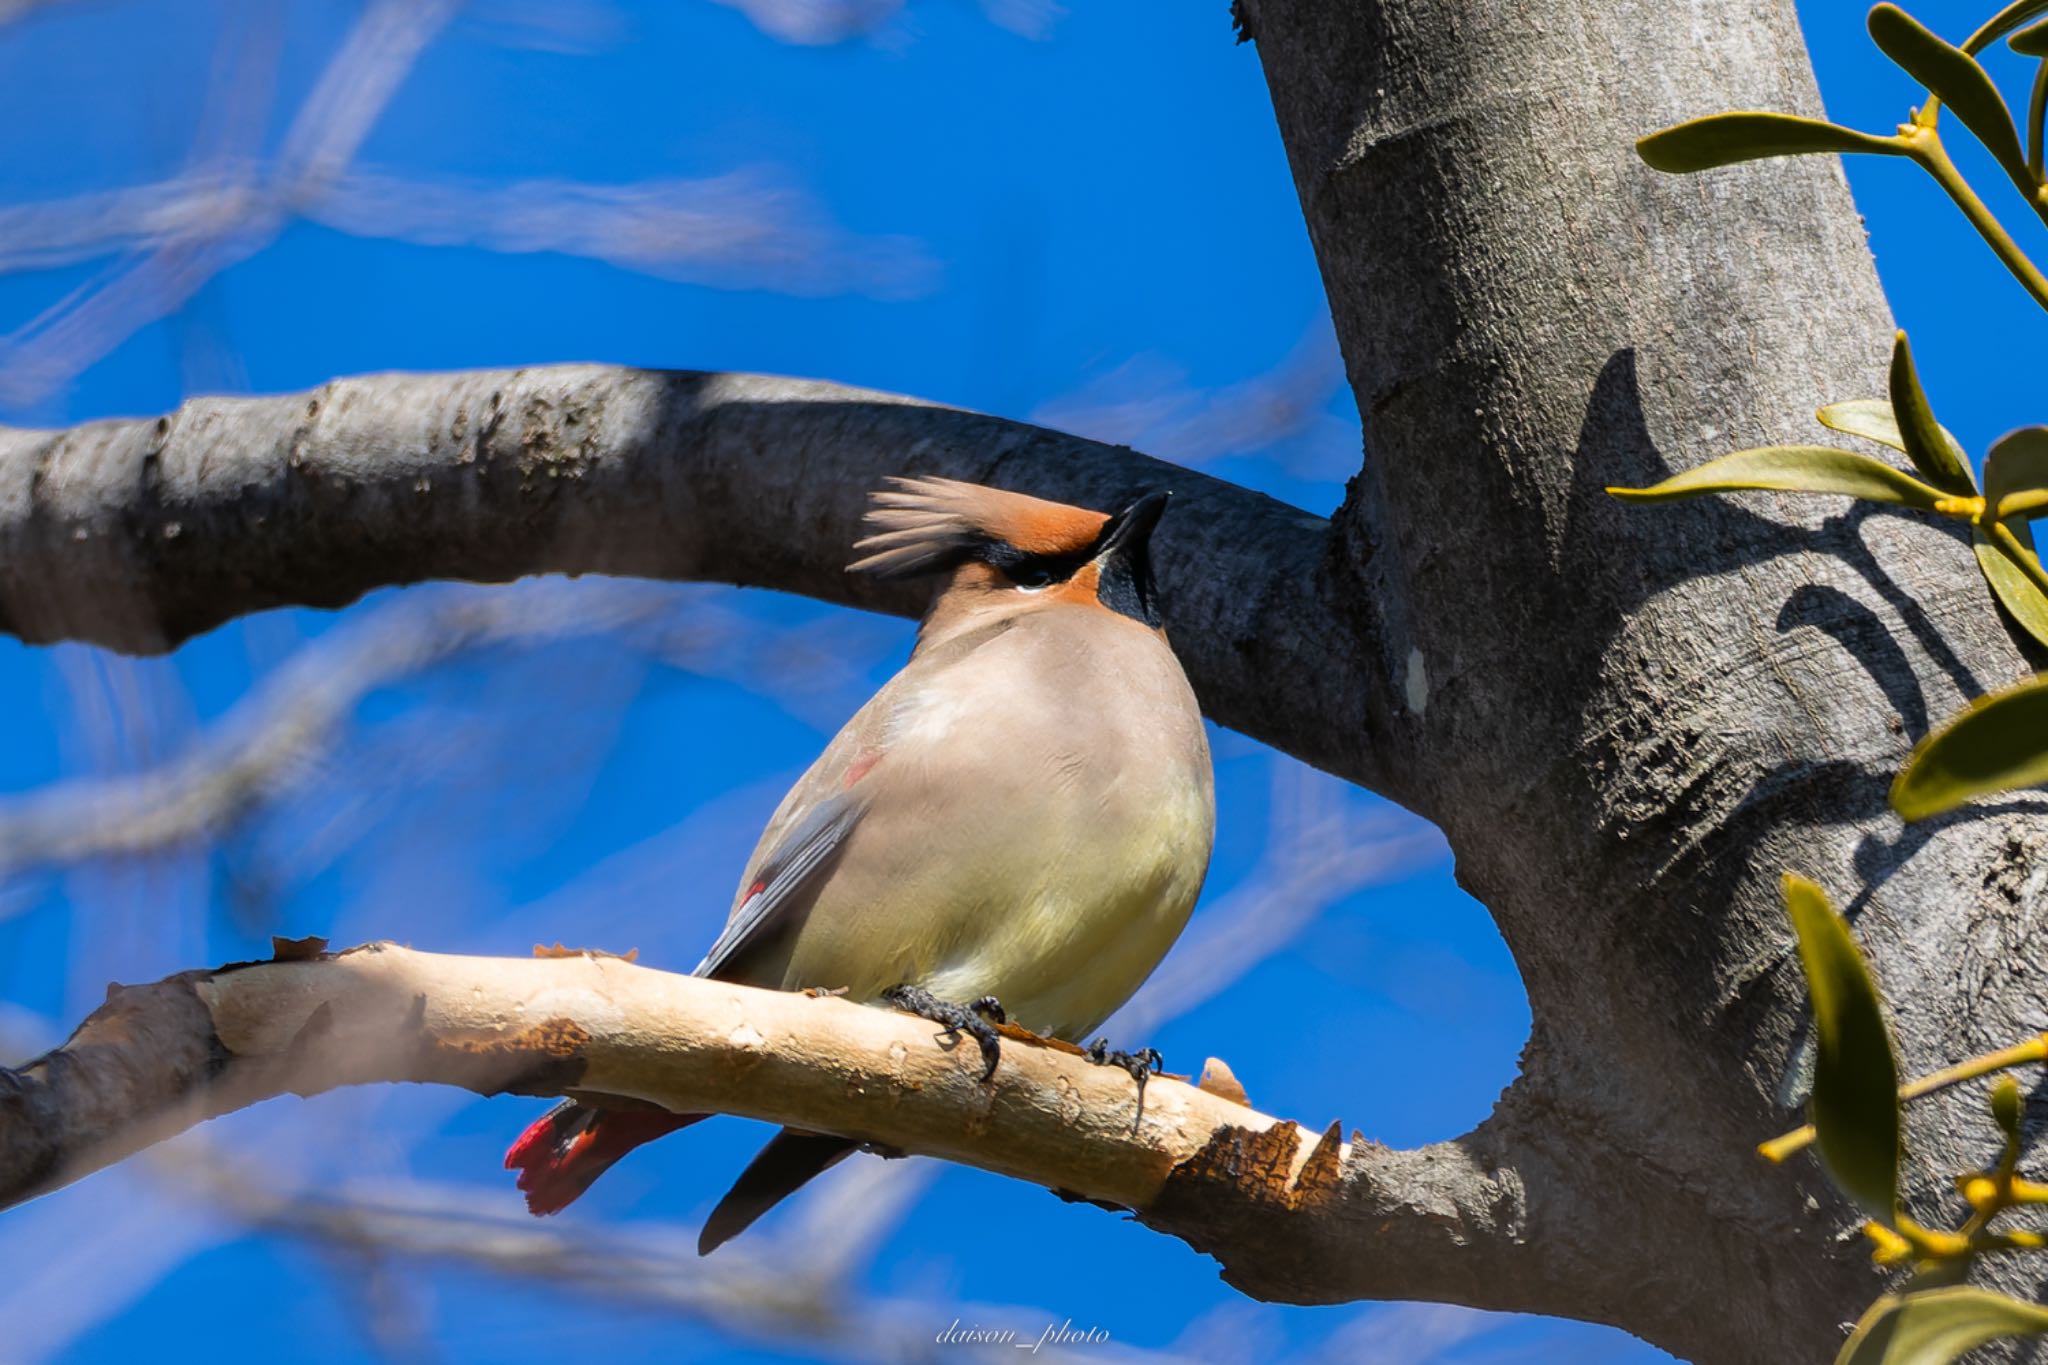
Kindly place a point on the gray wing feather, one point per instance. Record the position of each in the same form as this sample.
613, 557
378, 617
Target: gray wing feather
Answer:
793, 869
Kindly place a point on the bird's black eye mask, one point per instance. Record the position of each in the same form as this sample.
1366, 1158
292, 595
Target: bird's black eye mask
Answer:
1126, 582
1030, 570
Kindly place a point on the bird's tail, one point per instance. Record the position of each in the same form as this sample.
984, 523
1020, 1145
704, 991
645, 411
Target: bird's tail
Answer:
777, 1171
573, 1144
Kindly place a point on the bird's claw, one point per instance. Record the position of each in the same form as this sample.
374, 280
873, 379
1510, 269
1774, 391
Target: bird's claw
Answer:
1141, 1065
971, 1019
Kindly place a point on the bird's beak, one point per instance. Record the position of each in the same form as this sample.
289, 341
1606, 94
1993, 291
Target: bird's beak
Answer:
1128, 532
1123, 568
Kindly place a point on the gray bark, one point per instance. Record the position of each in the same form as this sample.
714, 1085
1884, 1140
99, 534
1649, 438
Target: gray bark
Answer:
139, 534
1636, 717
1627, 720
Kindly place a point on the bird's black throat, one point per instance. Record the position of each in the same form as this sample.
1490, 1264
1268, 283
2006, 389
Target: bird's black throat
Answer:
1125, 586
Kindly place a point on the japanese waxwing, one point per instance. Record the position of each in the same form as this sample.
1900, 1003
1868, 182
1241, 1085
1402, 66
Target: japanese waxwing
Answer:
1024, 812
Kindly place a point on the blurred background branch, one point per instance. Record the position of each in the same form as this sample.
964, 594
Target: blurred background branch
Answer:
280, 734
799, 1292
745, 229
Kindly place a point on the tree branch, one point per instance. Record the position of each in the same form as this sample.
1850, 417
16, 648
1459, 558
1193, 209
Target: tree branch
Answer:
1289, 1214
140, 534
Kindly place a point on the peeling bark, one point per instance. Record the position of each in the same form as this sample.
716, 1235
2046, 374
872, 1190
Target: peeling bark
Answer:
1238, 1184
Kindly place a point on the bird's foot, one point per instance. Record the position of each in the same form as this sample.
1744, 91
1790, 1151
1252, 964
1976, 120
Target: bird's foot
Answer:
1142, 1065
977, 1020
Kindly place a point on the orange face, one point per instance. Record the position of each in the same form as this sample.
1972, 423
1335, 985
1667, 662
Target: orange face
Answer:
1083, 588
977, 579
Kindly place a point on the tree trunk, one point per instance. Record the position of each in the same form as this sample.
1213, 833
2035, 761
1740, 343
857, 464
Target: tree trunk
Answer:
1628, 720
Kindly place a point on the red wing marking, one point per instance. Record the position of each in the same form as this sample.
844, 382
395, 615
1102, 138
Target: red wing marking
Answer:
862, 766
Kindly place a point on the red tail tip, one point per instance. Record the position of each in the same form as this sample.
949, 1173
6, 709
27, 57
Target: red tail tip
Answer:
572, 1145
528, 1149
545, 1158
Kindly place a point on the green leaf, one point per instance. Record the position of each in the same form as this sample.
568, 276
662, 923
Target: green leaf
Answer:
1952, 76
1855, 1076
2005, 21
1932, 450
1724, 139
2030, 42
1936, 1326
2017, 463
1870, 418
1999, 744
1873, 420
2015, 591
1792, 469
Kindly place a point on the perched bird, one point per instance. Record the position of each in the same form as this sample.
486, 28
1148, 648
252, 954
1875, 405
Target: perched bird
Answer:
1022, 815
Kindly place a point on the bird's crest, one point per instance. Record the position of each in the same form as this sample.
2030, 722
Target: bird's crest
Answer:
923, 525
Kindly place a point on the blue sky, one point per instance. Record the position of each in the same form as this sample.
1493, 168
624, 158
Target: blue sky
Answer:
1082, 217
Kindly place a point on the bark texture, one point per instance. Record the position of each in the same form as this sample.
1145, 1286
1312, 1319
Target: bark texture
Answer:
138, 534
1627, 720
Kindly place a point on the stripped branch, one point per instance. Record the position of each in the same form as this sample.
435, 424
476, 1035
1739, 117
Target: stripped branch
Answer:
1269, 1199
